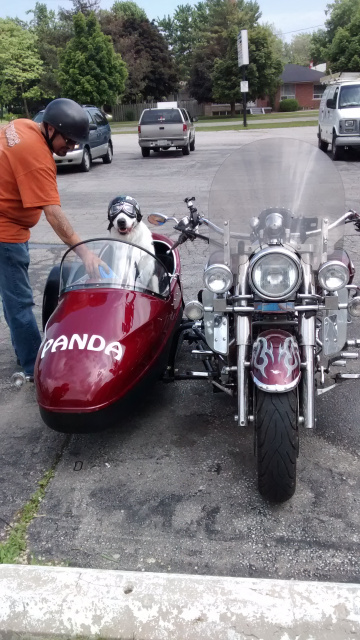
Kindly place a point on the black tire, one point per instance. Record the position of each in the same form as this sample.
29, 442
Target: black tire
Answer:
186, 149
86, 161
107, 158
336, 152
51, 294
321, 143
192, 144
145, 152
277, 443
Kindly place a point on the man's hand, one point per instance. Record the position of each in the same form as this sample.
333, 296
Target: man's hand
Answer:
92, 262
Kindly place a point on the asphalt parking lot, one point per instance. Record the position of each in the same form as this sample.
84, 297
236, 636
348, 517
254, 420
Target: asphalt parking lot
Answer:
173, 488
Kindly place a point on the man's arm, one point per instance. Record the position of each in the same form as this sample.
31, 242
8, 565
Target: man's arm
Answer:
62, 227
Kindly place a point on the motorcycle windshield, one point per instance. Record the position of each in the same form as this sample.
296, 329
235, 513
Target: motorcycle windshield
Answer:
276, 191
123, 266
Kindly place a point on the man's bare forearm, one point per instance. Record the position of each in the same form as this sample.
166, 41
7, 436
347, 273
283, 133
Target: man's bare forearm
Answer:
61, 225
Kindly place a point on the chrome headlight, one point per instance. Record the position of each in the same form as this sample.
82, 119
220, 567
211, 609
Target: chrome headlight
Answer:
333, 275
218, 278
275, 274
194, 310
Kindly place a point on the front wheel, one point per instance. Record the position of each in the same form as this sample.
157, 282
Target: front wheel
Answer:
86, 161
276, 443
192, 144
336, 152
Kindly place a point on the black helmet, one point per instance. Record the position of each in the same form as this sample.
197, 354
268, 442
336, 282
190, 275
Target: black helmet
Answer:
68, 118
123, 204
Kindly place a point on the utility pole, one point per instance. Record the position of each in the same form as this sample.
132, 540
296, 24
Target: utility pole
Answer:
243, 60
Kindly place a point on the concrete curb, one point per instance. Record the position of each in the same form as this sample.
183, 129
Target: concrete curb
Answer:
50, 602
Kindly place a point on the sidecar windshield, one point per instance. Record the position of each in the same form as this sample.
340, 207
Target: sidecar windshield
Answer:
123, 266
278, 190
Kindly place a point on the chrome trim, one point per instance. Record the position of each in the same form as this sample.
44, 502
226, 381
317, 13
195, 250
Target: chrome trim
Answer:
307, 331
243, 341
277, 388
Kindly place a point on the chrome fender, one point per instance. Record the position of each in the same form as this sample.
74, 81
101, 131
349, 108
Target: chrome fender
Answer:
275, 361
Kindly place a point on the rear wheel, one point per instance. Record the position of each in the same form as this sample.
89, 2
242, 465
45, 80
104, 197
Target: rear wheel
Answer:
276, 443
86, 161
186, 149
321, 143
145, 152
107, 158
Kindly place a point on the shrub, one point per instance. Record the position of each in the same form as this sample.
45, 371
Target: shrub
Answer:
129, 115
289, 104
10, 116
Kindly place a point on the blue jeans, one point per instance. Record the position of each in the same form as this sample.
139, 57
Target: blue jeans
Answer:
17, 299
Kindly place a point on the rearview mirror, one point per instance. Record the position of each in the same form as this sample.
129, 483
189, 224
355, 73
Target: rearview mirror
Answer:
330, 103
92, 127
159, 219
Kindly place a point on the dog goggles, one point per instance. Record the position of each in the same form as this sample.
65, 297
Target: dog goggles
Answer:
123, 207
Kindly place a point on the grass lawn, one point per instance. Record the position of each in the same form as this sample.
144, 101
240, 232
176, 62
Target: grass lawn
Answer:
301, 116
259, 125
238, 127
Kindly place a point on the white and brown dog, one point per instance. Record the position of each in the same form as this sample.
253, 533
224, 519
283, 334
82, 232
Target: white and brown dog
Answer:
125, 223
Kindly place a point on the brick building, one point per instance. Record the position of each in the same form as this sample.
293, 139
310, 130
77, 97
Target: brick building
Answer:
301, 83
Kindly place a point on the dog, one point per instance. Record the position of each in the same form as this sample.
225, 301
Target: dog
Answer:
125, 223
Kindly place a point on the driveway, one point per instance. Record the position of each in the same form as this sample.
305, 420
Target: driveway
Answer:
173, 488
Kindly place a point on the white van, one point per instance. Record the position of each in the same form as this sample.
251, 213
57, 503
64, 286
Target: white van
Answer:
339, 114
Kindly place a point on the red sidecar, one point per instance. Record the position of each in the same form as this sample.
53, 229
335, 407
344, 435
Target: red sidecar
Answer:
105, 338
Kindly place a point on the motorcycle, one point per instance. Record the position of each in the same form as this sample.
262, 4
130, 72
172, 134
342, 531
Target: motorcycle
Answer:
270, 324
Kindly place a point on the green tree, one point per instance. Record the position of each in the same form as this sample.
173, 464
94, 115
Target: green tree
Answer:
180, 34
52, 36
300, 49
263, 72
152, 73
214, 72
20, 64
327, 45
128, 9
344, 50
90, 70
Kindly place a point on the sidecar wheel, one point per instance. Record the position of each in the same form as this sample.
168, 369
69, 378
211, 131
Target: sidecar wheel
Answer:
277, 444
51, 294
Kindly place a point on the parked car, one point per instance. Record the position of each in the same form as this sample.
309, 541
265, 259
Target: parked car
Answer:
99, 144
162, 128
339, 116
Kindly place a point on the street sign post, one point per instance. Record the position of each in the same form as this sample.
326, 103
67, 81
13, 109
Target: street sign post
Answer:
243, 60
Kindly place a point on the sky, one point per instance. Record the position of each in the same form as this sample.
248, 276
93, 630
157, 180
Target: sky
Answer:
289, 17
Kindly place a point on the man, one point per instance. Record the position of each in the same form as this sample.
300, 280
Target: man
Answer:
28, 187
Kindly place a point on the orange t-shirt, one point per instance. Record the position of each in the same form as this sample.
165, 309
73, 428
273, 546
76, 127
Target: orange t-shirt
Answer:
27, 179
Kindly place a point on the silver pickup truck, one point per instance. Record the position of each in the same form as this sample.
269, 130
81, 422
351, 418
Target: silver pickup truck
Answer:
165, 128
